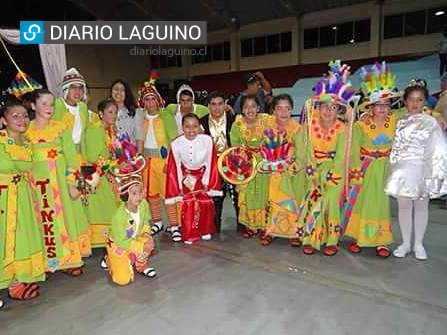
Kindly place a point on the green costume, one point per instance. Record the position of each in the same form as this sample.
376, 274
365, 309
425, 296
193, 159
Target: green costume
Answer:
102, 203
253, 196
323, 156
55, 167
21, 253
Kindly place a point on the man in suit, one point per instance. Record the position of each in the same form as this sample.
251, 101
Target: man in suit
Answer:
217, 123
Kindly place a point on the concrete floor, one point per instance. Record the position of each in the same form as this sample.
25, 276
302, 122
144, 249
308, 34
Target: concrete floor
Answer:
235, 286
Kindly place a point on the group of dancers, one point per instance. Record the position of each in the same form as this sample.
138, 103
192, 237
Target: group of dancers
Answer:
72, 179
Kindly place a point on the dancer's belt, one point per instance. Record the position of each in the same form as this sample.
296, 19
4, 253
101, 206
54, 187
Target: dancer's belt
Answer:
376, 154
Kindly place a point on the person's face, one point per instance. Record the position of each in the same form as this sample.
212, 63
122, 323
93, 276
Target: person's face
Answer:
328, 112
150, 103
75, 93
109, 115
252, 88
250, 109
186, 102
135, 194
380, 109
44, 106
217, 107
118, 92
283, 111
415, 102
191, 128
15, 119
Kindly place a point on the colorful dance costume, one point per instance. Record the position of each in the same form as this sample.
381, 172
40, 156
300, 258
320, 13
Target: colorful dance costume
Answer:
368, 216
76, 119
253, 196
55, 166
192, 181
102, 202
286, 182
155, 151
128, 234
324, 158
22, 257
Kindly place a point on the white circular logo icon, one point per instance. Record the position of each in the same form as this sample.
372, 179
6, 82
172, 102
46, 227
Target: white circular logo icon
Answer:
33, 30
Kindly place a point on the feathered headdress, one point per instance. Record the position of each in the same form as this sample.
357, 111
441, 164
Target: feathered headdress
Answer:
378, 83
148, 88
128, 163
335, 86
274, 151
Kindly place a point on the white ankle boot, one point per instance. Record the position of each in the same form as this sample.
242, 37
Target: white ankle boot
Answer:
401, 251
420, 253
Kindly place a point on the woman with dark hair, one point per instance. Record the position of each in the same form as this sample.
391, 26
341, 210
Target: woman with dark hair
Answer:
97, 141
368, 221
286, 179
55, 173
248, 132
324, 159
128, 120
417, 170
192, 180
21, 255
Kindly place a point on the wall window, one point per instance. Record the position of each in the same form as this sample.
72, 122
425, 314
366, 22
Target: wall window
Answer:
362, 30
415, 23
420, 22
164, 61
263, 45
247, 47
260, 46
394, 26
345, 33
273, 44
214, 53
226, 51
437, 20
327, 36
337, 34
310, 38
286, 41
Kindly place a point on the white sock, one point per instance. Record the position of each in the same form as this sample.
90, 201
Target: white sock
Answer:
420, 221
405, 214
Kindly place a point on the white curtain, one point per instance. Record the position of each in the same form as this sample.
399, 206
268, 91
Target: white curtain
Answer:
54, 61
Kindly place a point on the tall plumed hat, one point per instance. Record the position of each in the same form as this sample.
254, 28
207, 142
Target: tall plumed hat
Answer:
378, 84
128, 164
148, 88
334, 87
